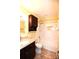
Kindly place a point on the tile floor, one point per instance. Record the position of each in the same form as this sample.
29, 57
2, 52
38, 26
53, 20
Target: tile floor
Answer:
45, 54
38, 56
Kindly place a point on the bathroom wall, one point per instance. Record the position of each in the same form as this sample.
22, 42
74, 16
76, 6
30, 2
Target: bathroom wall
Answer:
49, 37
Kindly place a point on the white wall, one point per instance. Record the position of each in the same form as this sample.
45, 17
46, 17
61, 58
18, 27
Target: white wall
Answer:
49, 36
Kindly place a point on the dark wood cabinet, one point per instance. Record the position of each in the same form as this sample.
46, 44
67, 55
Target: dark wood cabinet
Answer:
33, 23
28, 52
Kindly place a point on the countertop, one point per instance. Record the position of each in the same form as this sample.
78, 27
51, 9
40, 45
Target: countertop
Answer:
25, 41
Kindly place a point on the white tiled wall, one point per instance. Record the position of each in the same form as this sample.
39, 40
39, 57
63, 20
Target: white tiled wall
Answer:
49, 36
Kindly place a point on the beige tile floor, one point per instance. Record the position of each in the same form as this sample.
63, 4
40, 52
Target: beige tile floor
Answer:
46, 55
38, 56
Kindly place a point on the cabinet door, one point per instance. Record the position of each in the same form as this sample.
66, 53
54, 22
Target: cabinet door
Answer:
33, 23
28, 52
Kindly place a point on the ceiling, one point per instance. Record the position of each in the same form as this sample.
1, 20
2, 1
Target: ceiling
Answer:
42, 8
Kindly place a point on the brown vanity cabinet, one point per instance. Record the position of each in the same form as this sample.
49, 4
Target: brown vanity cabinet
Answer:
28, 52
